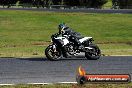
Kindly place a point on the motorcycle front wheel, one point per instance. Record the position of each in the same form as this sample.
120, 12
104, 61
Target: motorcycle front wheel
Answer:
94, 53
51, 55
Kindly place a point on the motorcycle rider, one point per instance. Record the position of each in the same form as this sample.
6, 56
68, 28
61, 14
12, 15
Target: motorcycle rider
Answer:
73, 36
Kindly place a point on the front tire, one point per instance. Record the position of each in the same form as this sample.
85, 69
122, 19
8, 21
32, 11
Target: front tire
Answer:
51, 55
94, 53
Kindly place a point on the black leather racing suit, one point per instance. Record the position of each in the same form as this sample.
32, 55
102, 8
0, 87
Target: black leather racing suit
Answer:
73, 36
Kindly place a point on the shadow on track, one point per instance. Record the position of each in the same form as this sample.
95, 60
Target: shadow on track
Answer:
45, 59
34, 59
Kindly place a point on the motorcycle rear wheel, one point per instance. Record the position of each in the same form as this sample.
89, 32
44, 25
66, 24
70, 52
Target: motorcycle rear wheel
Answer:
51, 55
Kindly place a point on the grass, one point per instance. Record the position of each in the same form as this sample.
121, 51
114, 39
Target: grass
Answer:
115, 49
108, 5
32, 51
72, 86
25, 33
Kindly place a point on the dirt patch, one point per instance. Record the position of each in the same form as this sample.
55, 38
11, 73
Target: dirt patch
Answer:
48, 42
32, 44
127, 43
41, 43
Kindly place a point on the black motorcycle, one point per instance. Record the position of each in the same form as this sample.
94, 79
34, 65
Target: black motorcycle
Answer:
62, 45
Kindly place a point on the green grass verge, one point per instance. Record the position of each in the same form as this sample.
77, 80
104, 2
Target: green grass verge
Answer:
115, 49
72, 86
108, 5
25, 33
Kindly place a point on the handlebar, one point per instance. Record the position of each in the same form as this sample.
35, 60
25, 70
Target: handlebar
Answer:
54, 35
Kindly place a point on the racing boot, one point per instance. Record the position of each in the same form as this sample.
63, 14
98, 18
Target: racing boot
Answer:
81, 48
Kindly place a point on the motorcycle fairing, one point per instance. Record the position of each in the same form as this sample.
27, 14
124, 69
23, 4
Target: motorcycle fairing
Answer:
84, 39
65, 40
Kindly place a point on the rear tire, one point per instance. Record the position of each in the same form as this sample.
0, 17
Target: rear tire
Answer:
54, 56
93, 56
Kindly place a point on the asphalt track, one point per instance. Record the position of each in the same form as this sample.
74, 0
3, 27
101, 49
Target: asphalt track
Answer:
41, 70
123, 11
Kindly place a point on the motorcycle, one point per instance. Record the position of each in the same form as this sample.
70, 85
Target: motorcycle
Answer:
62, 45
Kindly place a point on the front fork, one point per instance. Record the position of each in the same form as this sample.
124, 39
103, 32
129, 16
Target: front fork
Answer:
54, 48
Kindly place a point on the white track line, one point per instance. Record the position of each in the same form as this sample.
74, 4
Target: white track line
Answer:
42, 83
54, 83
68, 82
6, 84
